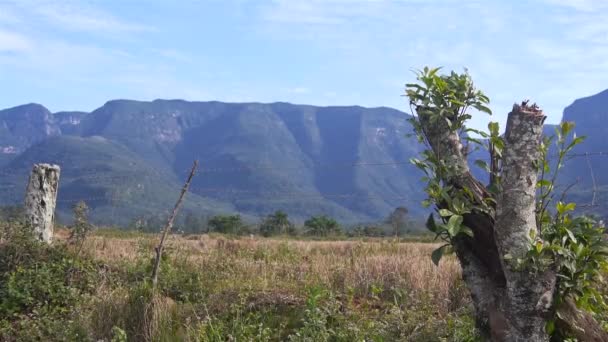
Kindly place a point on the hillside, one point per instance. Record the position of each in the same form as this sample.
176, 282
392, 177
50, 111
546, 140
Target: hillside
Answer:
255, 158
114, 181
347, 162
583, 172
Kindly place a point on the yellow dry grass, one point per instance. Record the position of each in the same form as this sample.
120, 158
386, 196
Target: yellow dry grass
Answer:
359, 268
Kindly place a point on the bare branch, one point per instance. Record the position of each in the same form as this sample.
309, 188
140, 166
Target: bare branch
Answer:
167, 229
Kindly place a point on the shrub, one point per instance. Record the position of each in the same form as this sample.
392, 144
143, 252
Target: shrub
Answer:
40, 286
227, 224
322, 226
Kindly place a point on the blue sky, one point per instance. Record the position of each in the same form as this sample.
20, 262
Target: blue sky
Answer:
76, 55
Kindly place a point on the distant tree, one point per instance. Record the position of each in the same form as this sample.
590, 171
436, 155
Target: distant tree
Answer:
398, 220
227, 224
277, 223
322, 226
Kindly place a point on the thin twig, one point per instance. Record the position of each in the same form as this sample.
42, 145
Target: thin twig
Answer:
167, 229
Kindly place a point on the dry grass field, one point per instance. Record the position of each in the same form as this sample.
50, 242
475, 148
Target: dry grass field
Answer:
386, 290
224, 288
270, 265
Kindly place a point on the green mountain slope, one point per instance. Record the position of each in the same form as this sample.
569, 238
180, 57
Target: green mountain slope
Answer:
115, 182
274, 156
129, 157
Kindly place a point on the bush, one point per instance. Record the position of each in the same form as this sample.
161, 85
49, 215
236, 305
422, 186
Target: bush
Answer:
322, 226
277, 223
227, 224
40, 285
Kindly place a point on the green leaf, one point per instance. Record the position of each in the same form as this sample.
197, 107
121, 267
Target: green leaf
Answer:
445, 213
440, 252
494, 128
571, 235
430, 224
550, 327
466, 230
454, 225
539, 246
563, 208
455, 221
482, 108
566, 127
543, 183
413, 85
575, 142
570, 206
476, 131
483, 165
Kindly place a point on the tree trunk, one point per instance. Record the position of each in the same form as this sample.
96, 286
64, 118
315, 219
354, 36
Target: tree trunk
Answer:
510, 305
579, 324
478, 255
528, 299
40, 200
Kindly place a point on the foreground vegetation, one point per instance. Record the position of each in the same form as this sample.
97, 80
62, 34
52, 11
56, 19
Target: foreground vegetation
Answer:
220, 288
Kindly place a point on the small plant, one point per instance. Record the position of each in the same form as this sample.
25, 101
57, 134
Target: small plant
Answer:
118, 335
81, 227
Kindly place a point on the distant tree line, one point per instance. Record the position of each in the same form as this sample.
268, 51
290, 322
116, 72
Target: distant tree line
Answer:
275, 224
279, 224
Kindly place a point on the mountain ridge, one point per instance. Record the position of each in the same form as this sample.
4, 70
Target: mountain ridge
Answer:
266, 156
293, 139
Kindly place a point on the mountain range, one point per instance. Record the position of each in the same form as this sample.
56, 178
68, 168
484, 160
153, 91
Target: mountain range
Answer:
127, 159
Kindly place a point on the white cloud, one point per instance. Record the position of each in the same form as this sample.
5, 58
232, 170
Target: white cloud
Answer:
67, 15
40, 49
175, 55
299, 90
13, 42
579, 5
81, 18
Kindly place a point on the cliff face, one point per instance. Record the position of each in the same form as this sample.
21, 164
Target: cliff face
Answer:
258, 157
22, 126
349, 162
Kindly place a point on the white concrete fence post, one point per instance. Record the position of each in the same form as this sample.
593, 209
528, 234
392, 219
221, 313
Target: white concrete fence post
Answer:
41, 199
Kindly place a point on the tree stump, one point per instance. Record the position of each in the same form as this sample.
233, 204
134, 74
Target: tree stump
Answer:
40, 200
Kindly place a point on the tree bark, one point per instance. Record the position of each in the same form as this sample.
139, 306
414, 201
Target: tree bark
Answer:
511, 304
529, 296
579, 324
478, 256
40, 200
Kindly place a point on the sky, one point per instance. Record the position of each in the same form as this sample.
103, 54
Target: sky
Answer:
76, 55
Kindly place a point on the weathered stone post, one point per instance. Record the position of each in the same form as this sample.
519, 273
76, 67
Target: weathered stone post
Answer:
40, 200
